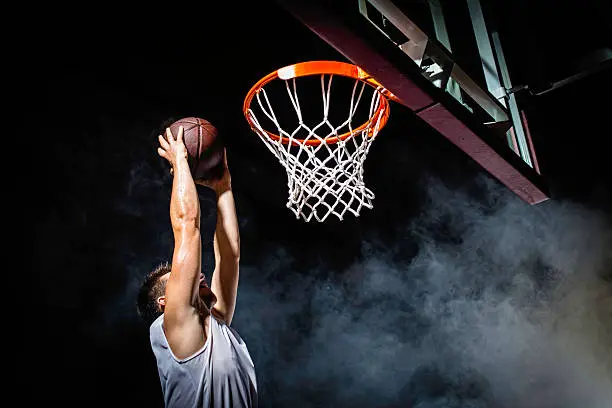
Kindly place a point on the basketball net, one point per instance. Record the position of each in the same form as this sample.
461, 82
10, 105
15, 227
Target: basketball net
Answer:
324, 166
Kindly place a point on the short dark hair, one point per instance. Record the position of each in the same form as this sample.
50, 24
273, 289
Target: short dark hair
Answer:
151, 288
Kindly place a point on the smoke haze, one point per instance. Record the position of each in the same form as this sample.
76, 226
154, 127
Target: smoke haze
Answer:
503, 305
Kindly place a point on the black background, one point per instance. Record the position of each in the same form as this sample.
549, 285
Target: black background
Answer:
110, 77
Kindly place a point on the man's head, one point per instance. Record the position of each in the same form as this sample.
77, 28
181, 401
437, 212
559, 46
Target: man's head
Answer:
152, 295
152, 289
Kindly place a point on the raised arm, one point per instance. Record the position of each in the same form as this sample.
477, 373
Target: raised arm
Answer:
182, 323
224, 282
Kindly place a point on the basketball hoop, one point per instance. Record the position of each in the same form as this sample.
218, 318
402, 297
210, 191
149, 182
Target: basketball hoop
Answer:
323, 161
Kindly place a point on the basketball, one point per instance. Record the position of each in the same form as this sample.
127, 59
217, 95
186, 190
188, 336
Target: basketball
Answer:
204, 148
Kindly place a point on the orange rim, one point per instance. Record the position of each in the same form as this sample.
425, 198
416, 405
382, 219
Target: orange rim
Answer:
318, 68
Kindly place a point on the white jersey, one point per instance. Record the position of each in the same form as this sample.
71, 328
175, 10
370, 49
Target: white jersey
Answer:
221, 374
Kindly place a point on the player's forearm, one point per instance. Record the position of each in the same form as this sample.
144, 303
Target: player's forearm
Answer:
185, 218
227, 232
184, 202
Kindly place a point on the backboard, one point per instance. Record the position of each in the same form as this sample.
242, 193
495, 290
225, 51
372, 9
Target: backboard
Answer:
444, 61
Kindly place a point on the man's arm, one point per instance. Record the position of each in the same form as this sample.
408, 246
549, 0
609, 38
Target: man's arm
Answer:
182, 324
224, 282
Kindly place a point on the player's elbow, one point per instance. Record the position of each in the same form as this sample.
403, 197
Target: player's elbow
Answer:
234, 250
187, 214
230, 251
230, 260
186, 220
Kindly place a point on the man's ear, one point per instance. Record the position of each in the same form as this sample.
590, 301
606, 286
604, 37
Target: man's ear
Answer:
161, 301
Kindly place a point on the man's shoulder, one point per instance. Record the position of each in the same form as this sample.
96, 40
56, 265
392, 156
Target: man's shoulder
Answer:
157, 323
157, 331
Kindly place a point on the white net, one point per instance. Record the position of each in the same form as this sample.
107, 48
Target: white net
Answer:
324, 161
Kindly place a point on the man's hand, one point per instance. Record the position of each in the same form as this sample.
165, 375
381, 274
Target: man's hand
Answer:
222, 184
171, 149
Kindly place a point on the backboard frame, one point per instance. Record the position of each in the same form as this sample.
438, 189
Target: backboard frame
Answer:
344, 27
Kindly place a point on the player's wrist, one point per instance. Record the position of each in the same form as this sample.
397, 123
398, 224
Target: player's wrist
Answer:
222, 186
180, 163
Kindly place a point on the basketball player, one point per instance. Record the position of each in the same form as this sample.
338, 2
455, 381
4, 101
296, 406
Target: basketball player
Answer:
201, 360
